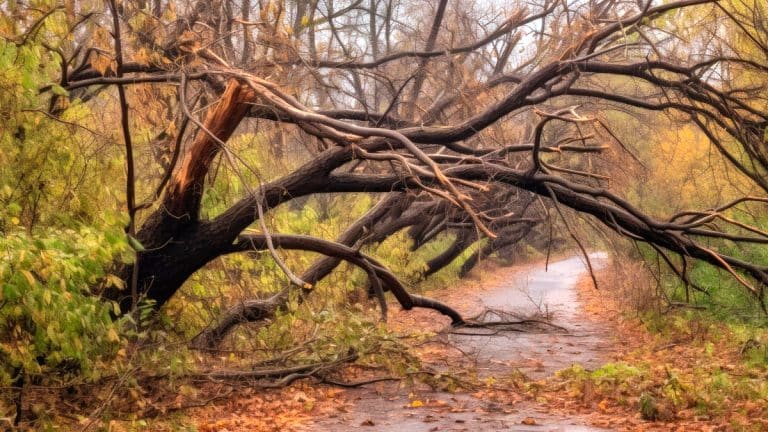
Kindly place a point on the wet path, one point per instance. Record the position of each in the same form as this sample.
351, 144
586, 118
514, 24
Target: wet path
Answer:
537, 354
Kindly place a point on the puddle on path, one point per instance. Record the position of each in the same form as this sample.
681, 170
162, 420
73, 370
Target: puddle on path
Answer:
384, 407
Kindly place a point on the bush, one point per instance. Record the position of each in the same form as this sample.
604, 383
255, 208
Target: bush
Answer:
50, 323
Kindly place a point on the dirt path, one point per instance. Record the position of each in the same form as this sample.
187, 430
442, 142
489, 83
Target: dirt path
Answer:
495, 357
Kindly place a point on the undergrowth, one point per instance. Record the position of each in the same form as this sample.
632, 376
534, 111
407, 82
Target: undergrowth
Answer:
687, 356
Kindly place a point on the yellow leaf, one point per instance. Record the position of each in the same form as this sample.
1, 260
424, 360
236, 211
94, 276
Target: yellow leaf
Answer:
112, 335
115, 281
304, 21
29, 277
417, 404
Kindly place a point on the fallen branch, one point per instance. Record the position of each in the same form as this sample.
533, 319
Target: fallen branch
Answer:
286, 374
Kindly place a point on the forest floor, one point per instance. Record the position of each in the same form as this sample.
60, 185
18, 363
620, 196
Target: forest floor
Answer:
530, 377
507, 364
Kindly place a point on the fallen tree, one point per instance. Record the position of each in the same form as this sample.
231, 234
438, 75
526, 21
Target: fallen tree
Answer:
450, 157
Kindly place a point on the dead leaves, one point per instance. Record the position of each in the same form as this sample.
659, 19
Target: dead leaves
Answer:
286, 409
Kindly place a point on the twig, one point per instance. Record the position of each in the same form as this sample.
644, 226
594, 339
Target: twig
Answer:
354, 384
130, 180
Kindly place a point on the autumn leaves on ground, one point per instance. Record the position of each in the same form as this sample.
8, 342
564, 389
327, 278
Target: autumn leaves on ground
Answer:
677, 371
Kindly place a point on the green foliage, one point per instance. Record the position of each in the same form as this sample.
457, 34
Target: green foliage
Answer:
49, 320
617, 380
721, 296
52, 178
395, 253
720, 366
47, 316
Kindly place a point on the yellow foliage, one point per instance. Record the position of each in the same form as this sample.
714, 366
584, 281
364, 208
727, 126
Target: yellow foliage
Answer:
689, 172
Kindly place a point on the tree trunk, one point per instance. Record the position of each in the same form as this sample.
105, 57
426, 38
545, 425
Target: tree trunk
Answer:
464, 239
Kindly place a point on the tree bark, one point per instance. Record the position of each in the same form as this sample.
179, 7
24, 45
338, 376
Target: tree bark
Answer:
464, 239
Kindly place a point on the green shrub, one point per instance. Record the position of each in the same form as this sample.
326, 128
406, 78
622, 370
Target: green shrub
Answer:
50, 323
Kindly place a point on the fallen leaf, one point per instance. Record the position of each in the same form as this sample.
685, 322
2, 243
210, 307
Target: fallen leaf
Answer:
603, 405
